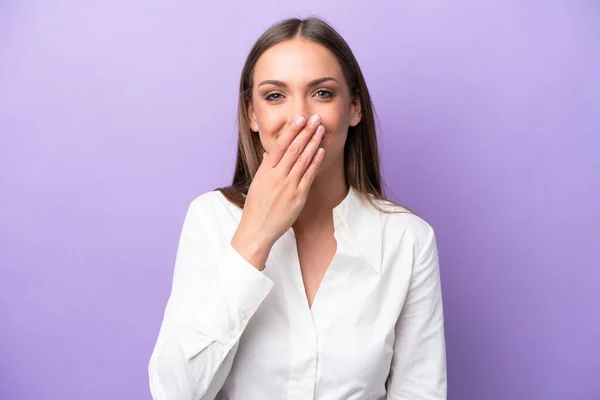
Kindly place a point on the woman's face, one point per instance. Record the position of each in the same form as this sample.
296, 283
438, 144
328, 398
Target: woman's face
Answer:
299, 77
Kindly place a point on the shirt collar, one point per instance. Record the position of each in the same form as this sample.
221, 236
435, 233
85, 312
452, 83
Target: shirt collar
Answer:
363, 221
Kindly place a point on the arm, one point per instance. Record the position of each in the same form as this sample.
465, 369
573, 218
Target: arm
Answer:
215, 291
418, 370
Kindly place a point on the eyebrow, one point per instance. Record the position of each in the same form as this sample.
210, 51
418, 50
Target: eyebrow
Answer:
312, 83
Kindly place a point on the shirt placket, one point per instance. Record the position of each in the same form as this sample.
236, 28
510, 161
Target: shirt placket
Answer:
303, 338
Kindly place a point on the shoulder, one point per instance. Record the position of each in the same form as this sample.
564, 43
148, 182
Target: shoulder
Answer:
210, 221
210, 202
399, 224
203, 204
213, 207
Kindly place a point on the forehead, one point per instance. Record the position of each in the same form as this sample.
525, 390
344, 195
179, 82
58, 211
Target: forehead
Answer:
296, 61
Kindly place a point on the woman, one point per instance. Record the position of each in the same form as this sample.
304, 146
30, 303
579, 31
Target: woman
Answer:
300, 281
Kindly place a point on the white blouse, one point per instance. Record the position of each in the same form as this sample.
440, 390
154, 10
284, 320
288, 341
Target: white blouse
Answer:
374, 331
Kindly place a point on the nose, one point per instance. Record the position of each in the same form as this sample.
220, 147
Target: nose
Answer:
300, 108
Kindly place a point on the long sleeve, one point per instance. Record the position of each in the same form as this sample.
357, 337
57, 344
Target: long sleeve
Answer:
215, 292
418, 370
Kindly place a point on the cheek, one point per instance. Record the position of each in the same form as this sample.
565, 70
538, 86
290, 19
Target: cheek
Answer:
337, 128
335, 117
270, 125
334, 143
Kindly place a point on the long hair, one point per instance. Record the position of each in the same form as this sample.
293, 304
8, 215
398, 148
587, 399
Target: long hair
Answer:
361, 157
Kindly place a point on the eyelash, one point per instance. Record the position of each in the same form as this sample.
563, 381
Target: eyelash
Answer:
329, 94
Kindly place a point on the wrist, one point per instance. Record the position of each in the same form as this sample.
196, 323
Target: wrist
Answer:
253, 249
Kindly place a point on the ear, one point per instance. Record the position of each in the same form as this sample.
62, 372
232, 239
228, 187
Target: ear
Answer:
355, 110
251, 116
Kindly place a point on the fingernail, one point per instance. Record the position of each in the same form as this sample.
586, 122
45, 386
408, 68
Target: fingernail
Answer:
320, 130
315, 119
299, 121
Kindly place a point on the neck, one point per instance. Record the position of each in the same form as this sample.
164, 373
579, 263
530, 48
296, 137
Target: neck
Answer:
327, 191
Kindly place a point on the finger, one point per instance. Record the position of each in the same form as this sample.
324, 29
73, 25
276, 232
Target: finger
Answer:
311, 172
294, 127
297, 146
304, 160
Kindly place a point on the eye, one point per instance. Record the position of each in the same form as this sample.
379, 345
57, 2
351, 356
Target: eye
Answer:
324, 93
273, 96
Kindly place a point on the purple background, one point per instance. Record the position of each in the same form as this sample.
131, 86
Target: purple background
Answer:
114, 115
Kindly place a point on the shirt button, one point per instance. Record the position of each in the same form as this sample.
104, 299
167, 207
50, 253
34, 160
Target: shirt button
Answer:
302, 386
243, 314
232, 333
